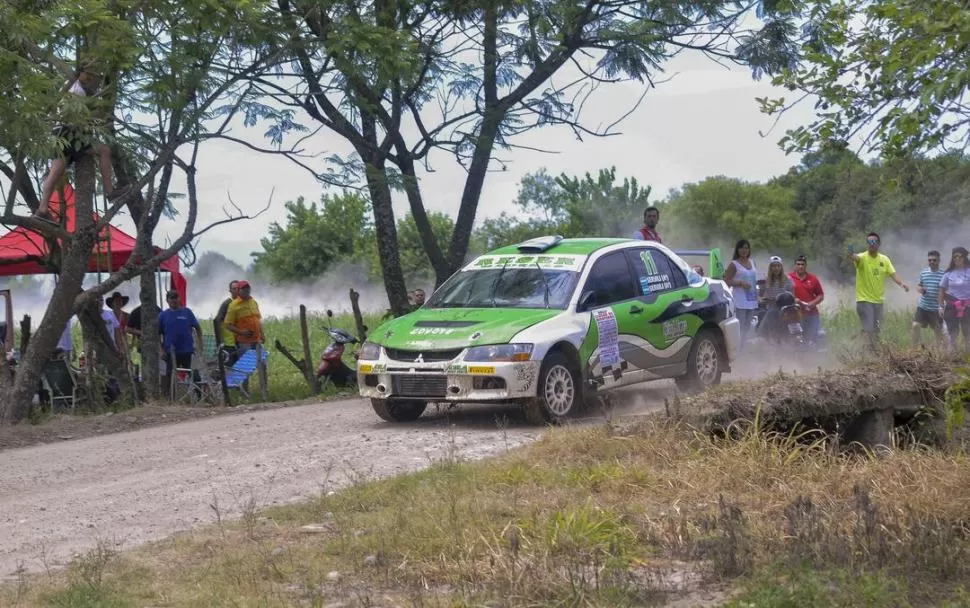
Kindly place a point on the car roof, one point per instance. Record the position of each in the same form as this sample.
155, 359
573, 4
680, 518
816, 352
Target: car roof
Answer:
579, 246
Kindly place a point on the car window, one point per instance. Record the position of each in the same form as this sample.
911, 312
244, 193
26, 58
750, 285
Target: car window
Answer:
655, 272
509, 288
609, 281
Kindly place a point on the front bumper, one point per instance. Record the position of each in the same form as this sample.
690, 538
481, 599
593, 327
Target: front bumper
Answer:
453, 381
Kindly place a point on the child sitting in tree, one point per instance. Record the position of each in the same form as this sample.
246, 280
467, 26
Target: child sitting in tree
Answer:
78, 142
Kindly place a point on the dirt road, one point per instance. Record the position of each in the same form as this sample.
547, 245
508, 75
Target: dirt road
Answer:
127, 488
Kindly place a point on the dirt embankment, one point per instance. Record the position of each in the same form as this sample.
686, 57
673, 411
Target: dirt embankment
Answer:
893, 381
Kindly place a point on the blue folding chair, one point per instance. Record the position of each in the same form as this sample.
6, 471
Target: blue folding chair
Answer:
242, 369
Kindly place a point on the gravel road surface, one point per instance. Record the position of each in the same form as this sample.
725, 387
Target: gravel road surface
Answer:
127, 488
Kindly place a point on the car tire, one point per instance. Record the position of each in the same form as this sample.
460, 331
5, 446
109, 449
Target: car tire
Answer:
559, 393
398, 411
705, 362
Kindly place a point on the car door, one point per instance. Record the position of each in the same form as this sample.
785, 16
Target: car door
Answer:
609, 295
666, 324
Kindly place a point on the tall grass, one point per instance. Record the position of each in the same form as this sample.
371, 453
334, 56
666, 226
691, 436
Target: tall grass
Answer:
593, 517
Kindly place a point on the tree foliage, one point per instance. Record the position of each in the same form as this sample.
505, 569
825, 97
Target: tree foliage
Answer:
401, 81
316, 238
892, 74
720, 210
828, 201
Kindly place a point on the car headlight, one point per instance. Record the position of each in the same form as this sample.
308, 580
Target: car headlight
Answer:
499, 352
370, 351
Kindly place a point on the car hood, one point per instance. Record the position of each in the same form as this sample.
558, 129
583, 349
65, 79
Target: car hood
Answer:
450, 328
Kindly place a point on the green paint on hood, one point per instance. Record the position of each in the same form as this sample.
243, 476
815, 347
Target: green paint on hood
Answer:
449, 328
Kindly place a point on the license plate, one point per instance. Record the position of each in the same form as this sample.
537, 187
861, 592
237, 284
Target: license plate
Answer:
481, 369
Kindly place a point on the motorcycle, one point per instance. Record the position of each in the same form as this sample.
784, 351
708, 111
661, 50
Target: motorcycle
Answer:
332, 367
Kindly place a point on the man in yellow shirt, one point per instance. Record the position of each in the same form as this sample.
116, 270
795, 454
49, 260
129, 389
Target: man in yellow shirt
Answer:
871, 270
244, 320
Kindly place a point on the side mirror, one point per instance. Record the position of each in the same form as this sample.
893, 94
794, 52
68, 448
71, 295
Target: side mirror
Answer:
587, 300
329, 313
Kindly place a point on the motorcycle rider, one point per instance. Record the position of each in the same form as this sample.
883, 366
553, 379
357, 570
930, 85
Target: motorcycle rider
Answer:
776, 283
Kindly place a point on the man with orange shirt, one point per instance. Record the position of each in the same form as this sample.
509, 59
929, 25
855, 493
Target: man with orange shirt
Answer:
244, 320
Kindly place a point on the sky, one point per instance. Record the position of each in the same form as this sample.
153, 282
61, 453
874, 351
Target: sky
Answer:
703, 121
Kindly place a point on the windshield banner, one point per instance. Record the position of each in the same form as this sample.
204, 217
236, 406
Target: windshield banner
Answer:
551, 262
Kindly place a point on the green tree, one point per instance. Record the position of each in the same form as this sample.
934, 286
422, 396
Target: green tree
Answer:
892, 74
398, 82
164, 66
316, 238
720, 210
570, 206
414, 259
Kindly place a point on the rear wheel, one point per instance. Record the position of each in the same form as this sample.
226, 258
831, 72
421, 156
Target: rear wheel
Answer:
705, 362
398, 410
559, 393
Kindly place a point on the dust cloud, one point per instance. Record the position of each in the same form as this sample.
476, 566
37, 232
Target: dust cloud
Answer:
31, 295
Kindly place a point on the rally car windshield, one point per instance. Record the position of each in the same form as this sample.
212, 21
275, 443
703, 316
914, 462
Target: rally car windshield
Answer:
508, 288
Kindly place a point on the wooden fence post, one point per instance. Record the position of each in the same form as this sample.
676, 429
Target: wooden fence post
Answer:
261, 370
307, 361
358, 317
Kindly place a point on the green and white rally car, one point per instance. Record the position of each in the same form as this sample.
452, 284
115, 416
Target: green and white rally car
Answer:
549, 322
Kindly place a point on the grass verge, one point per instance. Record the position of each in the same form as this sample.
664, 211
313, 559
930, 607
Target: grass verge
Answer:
585, 517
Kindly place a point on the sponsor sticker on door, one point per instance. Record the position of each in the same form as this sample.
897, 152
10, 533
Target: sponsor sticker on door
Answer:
609, 347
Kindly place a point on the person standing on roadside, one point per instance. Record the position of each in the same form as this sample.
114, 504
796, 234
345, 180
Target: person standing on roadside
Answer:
176, 325
928, 307
651, 217
226, 339
872, 268
808, 294
742, 275
954, 297
244, 320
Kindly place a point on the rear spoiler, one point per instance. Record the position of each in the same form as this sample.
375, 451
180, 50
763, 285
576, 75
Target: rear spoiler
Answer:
715, 267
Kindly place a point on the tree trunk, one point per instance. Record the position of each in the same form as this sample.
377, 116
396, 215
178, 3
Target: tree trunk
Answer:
472, 193
95, 334
386, 232
151, 343
148, 294
15, 401
429, 242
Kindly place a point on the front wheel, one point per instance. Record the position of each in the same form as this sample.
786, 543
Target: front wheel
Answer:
398, 411
558, 391
705, 363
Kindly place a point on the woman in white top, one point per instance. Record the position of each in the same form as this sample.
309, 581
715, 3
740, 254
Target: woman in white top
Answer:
77, 142
742, 275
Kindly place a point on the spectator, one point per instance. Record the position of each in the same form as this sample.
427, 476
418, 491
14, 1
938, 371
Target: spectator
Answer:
78, 142
417, 299
928, 307
116, 303
954, 297
176, 325
651, 217
65, 345
225, 338
776, 283
134, 326
871, 270
244, 320
113, 325
742, 273
808, 294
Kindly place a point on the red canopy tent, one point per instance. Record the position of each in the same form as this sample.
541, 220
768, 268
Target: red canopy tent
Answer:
22, 251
